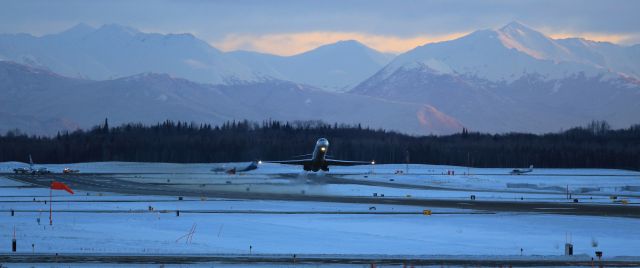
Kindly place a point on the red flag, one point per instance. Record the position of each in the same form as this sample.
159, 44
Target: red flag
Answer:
55, 185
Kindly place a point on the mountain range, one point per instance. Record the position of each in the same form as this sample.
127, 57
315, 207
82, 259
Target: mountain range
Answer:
509, 79
115, 51
516, 79
43, 102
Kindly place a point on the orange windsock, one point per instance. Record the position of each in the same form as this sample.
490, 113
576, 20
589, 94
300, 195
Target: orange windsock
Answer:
56, 185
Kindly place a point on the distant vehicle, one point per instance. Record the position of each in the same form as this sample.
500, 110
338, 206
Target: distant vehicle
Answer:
232, 169
521, 171
70, 171
318, 160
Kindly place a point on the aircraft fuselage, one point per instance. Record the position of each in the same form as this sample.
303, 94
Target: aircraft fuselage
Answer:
318, 158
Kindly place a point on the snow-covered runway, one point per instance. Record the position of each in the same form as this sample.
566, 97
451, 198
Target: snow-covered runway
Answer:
93, 221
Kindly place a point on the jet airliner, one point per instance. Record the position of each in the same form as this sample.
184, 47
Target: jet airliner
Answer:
31, 169
319, 160
521, 171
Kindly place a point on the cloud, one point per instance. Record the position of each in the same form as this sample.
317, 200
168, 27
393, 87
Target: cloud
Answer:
600, 37
286, 44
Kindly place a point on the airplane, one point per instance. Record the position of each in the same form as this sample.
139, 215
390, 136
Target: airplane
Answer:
233, 169
518, 171
319, 160
31, 169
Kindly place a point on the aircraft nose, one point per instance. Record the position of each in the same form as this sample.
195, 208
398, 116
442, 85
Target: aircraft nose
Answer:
323, 142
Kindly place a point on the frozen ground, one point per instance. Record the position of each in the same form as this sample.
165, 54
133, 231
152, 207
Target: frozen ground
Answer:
156, 232
428, 181
93, 222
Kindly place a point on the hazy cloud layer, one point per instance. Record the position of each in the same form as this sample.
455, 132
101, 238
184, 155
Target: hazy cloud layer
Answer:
295, 43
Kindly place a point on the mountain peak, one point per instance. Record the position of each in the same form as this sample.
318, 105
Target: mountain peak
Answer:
516, 26
348, 43
342, 45
80, 28
117, 28
349, 49
517, 36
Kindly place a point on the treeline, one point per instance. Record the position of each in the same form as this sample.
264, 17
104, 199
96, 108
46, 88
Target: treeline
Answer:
592, 146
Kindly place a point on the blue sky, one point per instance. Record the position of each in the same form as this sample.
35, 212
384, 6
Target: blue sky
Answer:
288, 27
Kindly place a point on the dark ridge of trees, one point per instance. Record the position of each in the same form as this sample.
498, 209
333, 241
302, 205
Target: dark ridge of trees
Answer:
593, 146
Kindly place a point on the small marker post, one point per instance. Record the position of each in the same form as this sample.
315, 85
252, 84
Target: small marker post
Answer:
13, 241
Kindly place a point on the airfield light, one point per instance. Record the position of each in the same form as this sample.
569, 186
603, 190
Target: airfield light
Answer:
259, 162
373, 162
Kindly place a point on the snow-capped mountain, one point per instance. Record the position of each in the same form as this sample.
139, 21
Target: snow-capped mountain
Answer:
113, 51
516, 79
623, 60
509, 79
41, 102
515, 50
335, 67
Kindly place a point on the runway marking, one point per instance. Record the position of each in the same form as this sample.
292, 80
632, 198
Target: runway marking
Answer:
554, 208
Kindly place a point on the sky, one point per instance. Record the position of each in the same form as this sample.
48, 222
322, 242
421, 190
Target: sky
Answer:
289, 27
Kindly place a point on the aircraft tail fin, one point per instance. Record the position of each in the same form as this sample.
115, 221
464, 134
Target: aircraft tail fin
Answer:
30, 161
531, 167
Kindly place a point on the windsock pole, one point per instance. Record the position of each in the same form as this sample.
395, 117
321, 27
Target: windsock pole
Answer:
50, 206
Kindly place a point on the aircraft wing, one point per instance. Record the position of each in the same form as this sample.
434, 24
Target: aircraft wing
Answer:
302, 156
292, 162
334, 162
330, 162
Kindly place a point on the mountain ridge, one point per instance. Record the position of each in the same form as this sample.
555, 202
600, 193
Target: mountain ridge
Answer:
488, 82
509, 79
112, 50
56, 103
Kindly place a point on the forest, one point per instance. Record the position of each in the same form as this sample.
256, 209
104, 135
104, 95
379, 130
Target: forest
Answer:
595, 145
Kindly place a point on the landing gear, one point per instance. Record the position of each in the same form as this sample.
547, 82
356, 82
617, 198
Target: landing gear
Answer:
325, 168
315, 168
